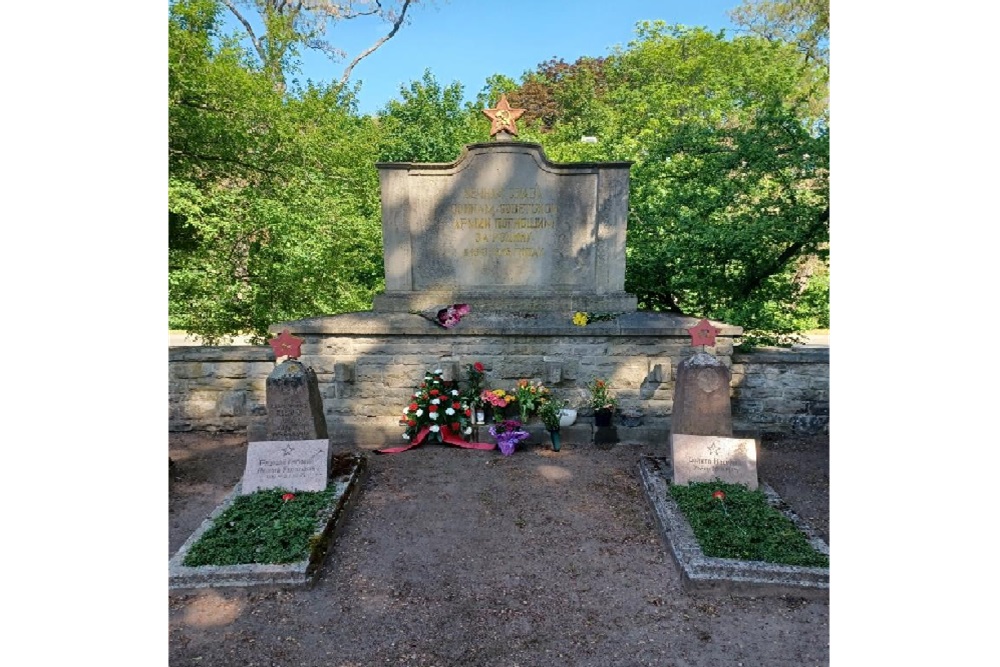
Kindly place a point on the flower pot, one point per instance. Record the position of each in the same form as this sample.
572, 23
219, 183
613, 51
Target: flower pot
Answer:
567, 416
603, 417
555, 440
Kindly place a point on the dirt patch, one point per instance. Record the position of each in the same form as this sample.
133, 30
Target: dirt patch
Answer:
462, 557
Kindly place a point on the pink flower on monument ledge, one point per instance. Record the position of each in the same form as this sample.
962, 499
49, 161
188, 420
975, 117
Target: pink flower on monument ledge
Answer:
288, 496
719, 495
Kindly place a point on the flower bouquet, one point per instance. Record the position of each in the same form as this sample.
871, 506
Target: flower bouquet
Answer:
530, 397
436, 406
498, 399
508, 433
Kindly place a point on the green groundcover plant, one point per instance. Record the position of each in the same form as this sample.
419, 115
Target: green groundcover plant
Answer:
731, 521
268, 526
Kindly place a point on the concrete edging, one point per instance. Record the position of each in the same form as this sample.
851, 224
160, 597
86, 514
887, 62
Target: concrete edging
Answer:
704, 574
300, 574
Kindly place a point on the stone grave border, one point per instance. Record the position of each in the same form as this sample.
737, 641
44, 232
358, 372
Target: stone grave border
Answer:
300, 574
726, 576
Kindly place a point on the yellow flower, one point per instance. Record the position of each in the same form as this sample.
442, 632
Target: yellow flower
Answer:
580, 319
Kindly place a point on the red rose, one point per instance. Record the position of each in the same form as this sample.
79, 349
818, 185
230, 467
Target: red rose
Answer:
479, 367
457, 406
454, 427
432, 408
288, 496
413, 407
434, 392
412, 422
719, 495
468, 413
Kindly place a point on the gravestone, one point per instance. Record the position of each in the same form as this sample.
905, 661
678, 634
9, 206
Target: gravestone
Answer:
294, 404
702, 448
295, 465
702, 404
705, 458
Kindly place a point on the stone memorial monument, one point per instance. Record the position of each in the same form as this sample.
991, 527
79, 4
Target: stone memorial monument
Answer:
504, 228
489, 259
701, 444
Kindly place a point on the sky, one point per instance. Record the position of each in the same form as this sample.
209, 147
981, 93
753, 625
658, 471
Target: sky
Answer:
469, 40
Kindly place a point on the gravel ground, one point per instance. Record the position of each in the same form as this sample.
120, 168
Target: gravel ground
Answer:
461, 557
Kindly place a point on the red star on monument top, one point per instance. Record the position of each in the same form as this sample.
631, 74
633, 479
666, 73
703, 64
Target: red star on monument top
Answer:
503, 116
286, 345
704, 333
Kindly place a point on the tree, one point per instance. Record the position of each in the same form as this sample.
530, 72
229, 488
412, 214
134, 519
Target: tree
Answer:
289, 24
804, 23
273, 200
429, 124
730, 189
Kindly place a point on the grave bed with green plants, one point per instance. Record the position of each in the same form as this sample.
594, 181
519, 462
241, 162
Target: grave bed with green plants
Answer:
270, 537
728, 539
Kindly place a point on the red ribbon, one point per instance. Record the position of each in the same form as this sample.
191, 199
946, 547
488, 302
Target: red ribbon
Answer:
447, 435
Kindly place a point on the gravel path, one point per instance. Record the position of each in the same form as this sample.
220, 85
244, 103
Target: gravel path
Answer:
461, 557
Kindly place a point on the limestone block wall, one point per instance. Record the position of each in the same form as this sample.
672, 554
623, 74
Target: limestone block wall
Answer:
783, 390
365, 379
217, 388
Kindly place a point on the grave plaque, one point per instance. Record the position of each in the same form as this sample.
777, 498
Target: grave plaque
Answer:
294, 404
705, 458
296, 465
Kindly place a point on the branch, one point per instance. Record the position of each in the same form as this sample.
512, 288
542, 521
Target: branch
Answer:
395, 28
246, 24
755, 281
218, 158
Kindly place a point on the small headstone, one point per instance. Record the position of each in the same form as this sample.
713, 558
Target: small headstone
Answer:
296, 465
705, 458
702, 403
294, 404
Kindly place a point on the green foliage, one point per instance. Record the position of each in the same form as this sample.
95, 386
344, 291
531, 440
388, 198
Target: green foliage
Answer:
743, 526
429, 124
730, 185
273, 196
550, 412
262, 528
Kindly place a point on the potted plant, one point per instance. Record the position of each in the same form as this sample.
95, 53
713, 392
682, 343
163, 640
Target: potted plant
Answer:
508, 433
602, 401
551, 415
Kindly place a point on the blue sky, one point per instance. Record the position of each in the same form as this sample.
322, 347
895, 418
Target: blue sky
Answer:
469, 40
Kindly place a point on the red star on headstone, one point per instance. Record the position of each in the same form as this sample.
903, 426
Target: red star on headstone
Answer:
703, 333
285, 344
503, 116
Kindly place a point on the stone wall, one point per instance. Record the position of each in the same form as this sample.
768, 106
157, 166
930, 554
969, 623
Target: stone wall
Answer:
783, 390
366, 378
217, 388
